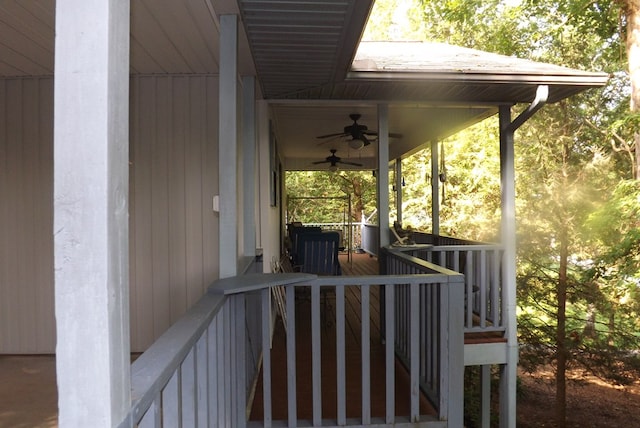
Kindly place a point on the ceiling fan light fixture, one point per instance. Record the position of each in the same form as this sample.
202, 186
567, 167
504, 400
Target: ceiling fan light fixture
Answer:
333, 168
356, 144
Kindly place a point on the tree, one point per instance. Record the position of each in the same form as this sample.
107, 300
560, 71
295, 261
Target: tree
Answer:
359, 185
570, 157
631, 9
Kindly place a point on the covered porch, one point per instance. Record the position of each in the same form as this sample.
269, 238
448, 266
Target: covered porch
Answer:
143, 165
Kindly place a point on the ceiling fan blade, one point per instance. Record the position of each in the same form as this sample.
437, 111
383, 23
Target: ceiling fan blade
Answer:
391, 134
332, 135
351, 163
329, 140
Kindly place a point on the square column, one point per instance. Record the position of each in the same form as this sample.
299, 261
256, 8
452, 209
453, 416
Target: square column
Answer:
91, 195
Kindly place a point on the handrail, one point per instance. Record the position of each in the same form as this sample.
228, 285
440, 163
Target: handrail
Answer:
480, 263
197, 372
154, 368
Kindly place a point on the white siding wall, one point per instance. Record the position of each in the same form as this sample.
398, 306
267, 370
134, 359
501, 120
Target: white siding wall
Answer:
27, 323
173, 230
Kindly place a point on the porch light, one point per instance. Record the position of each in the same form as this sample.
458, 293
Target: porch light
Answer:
356, 144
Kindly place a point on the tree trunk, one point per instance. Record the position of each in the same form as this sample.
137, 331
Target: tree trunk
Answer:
590, 322
561, 332
632, 12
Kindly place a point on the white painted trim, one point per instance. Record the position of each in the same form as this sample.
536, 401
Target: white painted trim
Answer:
479, 354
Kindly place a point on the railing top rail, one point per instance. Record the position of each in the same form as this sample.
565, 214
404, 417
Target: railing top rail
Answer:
256, 281
259, 281
452, 275
427, 278
466, 247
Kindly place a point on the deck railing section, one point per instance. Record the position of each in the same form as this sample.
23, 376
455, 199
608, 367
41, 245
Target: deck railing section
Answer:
481, 265
179, 380
200, 371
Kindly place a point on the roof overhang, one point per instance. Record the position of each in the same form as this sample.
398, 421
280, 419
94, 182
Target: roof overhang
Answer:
433, 90
311, 68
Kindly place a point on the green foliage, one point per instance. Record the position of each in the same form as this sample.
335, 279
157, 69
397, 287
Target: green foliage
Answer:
578, 232
304, 187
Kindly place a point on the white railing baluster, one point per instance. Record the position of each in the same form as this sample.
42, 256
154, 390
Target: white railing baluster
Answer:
366, 354
221, 349
456, 261
171, 402
266, 358
291, 357
496, 286
151, 418
188, 390
212, 363
229, 365
240, 361
469, 280
202, 381
443, 381
415, 349
316, 351
340, 357
389, 306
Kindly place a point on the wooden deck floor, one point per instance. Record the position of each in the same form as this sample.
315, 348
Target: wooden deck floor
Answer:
362, 265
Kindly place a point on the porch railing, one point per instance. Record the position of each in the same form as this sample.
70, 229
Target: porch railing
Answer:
481, 265
200, 372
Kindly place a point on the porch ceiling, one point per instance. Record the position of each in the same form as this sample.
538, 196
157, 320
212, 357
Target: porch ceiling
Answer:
304, 56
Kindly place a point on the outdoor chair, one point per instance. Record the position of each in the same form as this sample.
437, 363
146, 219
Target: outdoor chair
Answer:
318, 254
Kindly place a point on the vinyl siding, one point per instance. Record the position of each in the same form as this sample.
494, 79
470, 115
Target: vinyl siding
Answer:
173, 231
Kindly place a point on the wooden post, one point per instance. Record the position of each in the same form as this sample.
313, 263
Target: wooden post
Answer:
435, 188
249, 165
227, 146
91, 193
398, 185
383, 175
508, 238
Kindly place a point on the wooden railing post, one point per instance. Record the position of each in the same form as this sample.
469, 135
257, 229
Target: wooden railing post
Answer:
454, 358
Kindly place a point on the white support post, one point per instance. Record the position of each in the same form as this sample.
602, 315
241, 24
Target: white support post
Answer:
508, 238
91, 193
454, 366
399, 190
435, 188
249, 164
383, 175
227, 146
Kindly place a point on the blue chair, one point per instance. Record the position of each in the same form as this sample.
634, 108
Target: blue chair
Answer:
318, 253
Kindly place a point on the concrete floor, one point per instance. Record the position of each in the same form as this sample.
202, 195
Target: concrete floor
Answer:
28, 394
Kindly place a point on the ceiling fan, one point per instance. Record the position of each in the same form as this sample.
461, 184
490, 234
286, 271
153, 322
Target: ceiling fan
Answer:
360, 134
334, 160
